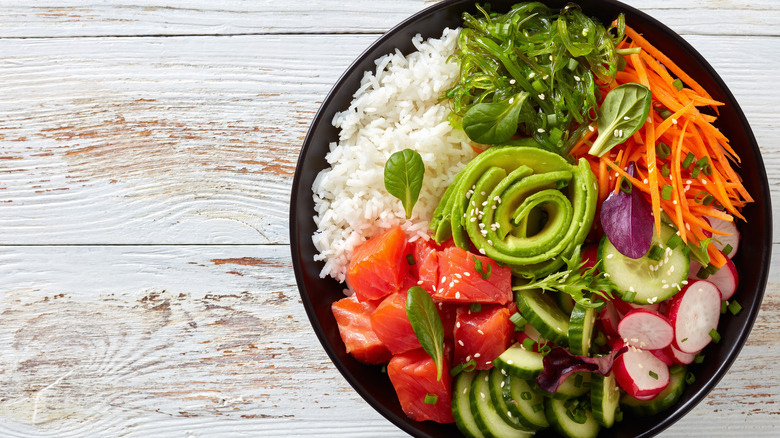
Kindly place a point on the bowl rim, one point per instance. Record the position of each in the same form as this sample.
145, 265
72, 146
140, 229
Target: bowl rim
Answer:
368, 55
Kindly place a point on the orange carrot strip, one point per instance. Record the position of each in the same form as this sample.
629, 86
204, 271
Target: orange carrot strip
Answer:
645, 45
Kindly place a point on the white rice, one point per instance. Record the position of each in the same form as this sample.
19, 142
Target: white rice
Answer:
395, 108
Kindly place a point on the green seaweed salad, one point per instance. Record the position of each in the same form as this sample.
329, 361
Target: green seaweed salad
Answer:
532, 54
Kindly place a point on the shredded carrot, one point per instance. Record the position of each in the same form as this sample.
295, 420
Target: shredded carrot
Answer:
697, 162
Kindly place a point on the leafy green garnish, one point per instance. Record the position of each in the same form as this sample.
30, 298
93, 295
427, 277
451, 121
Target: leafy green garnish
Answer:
404, 172
495, 122
582, 284
623, 112
427, 325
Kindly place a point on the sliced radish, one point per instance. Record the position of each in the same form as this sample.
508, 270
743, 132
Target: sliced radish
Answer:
646, 329
664, 355
721, 241
624, 307
680, 357
609, 319
725, 278
640, 373
694, 312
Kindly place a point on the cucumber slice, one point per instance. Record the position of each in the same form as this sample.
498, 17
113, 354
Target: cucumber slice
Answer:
544, 314
461, 405
565, 302
649, 281
519, 362
664, 400
604, 398
570, 420
497, 384
581, 329
487, 418
572, 387
525, 403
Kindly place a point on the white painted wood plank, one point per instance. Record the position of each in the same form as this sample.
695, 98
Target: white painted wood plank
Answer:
195, 139
172, 341
51, 18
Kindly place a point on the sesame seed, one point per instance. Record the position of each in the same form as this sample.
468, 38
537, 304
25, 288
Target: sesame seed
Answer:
639, 364
541, 96
540, 130
674, 121
476, 355
591, 128
645, 181
457, 295
460, 342
577, 78
511, 100
609, 256
512, 81
443, 279
481, 394
510, 362
457, 324
480, 331
482, 251
419, 282
532, 74
467, 274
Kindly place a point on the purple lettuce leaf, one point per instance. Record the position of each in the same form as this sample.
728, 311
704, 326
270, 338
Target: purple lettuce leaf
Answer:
627, 220
560, 364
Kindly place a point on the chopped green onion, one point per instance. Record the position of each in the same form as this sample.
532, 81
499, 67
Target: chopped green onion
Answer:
727, 249
528, 344
625, 185
734, 307
578, 380
476, 307
656, 253
666, 192
538, 86
676, 369
701, 162
708, 200
537, 407
703, 194
629, 296
552, 119
555, 135
690, 378
684, 339
695, 172
707, 170
470, 366
653, 375
688, 160
619, 416
662, 150
665, 113
410, 259
665, 170
715, 335
525, 395
674, 241
699, 358
601, 339
703, 274
519, 321
431, 399
724, 305
678, 84
621, 63
572, 65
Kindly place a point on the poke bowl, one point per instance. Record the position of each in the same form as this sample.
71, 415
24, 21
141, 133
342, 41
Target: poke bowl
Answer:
320, 290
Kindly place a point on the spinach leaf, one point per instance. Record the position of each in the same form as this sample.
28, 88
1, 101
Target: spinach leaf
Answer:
426, 323
404, 172
495, 122
623, 112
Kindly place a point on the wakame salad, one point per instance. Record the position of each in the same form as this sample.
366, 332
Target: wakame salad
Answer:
577, 260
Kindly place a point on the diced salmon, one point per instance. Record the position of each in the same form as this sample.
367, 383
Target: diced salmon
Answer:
426, 258
482, 335
378, 265
392, 326
459, 280
354, 321
413, 375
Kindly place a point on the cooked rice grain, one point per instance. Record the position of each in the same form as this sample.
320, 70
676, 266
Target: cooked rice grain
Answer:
395, 108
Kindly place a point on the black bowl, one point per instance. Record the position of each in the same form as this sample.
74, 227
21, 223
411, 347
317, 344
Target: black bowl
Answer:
752, 259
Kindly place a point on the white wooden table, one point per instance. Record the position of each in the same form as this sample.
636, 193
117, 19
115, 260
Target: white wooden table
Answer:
147, 149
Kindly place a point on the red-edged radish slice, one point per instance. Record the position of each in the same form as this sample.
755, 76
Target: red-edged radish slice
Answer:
664, 355
680, 357
721, 241
646, 329
609, 319
623, 307
694, 312
639, 373
726, 278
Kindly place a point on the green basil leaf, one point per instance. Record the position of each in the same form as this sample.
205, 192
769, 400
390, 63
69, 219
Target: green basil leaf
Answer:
426, 323
404, 172
623, 112
495, 122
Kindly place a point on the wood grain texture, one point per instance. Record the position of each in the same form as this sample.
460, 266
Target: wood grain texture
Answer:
147, 149
69, 18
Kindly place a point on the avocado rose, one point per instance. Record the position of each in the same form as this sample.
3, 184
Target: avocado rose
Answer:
521, 206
